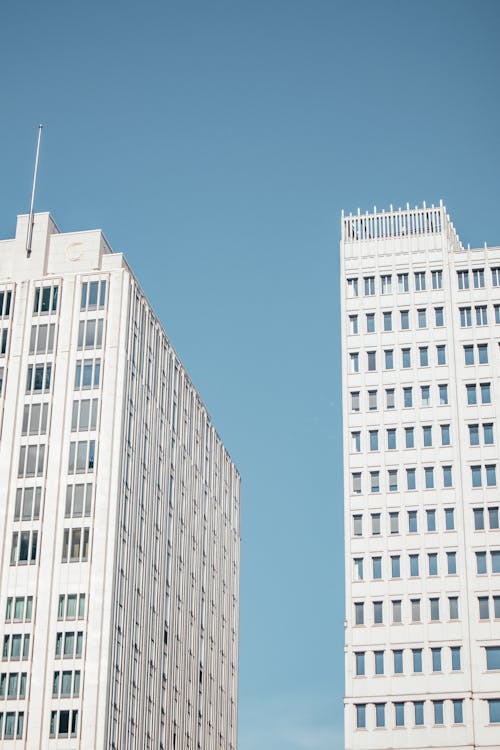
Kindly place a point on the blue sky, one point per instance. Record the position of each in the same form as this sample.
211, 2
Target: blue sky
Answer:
216, 143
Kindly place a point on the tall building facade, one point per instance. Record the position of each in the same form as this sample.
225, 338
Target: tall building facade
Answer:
119, 515
421, 394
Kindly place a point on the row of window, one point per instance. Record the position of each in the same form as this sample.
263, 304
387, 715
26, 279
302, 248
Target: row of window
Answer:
390, 442
428, 479
20, 608
32, 459
477, 315
449, 711
93, 297
414, 660
29, 499
412, 518
409, 612
388, 320
414, 566
407, 401
490, 514
402, 283
16, 646
405, 358
63, 723
25, 544
478, 278
13, 685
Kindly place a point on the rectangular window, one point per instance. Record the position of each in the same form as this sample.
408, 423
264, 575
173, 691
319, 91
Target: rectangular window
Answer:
379, 662
417, 659
19, 609
63, 723
410, 479
485, 393
24, 548
494, 708
469, 354
395, 566
398, 661
374, 481
419, 281
358, 567
31, 461
431, 519
424, 356
427, 435
386, 284
478, 278
356, 441
372, 400
495, 561
405, 320
453, 607
473, 434
87, 374
481, 315
35, 419
409, 437
373, 440
476, 476
432, 560
356, 482
497, 314
438, 317
66, 684
371, 361
399, 714
463, 279
438, 712
419, 713
352, 287
488, 433
434, 608
415, 610
353, 324
451, 562
38, 379
495, 276
394, 522
481, 563
387, 321
360, 663
391, 439
45, 301
90, 333
71, 607
471, 394
493, 517
28, 502
380, 715
478, 519
93, 295
81, 456
389, 398
406, 358
42, 338
482, 353
465, 317
359, 613
484, 608
445, 434
412, 522
437, 279
441, 354
443, 394
492, 658
408, 396
354, 362
456, 661
75, 545
392, 476
389, 359
369, 286
425, 395
403, 283
357, 525
436, 660
5, 303
354, 400
375, 524
449, 519
447, 476
78, 500
377, 613
422, 317
458, 714
370, 322
396, 611
84, 415
414, 566
376, 567
361, 716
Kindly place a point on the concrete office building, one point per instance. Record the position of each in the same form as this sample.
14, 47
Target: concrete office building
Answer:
421, 392
119, 515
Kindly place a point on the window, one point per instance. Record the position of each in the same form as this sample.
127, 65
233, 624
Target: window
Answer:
418, 707
19, 609
373, 440
434, 608
429, 477
494, 707
356, 482
352, 287
431, 519
396, 611
395, 566
63, 723
445, 434
449, 519
451, 561
372, 400
415, 610
66, 684
45, 301
372, 360
13, 686
437, 279
427, 435
358, 567
386, 283
13, 727
389, 359
354, 400
414, 566
93, 295
495, 276
369, 286
75, 545
425, 395
481, 315
453, 607
87, 373
16, 646
71, 607
28, 501
403, 284
492, 657
69, 644
391, 439
5, 303
379, 662
35, 419
424, 356
482, 351
478, 519
485, 393
488, 433
353, 324
438, 317
78, 500
422, 317
410, 479
455, 658
438, 712
392, 476
394, 522
443, 394
441, 354
359, 613
406, 357
81, 456
357, 525
380, 714
90, 333
376, 567
436, 659
31, 461
388, 321
409, 437
493, 516
417, 659
495, 561
447, 476
408, 396
375, 524
38, 380
3, 341
465, 317
42, 338
360, 663
374, 481
484, 608
389, 398
405, 320
370, 322
419, 281
458, 715
24, 547
469, 354
432, 561
471, 394
377, 613
463, 279
398, 661
399, 714
84, 416
497, 314
412, 521
354, 361
356, 441
481, 563
478, 278
361, 716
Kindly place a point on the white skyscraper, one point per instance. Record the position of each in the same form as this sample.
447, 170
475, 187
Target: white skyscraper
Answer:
119, 515
421, 394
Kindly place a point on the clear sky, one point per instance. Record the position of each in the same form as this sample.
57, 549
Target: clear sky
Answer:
215, 142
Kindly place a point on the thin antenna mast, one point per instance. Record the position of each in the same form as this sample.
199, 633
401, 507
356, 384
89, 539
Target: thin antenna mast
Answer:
32, 204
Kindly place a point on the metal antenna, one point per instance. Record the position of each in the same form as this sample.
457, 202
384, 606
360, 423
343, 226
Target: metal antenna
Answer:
32, 205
